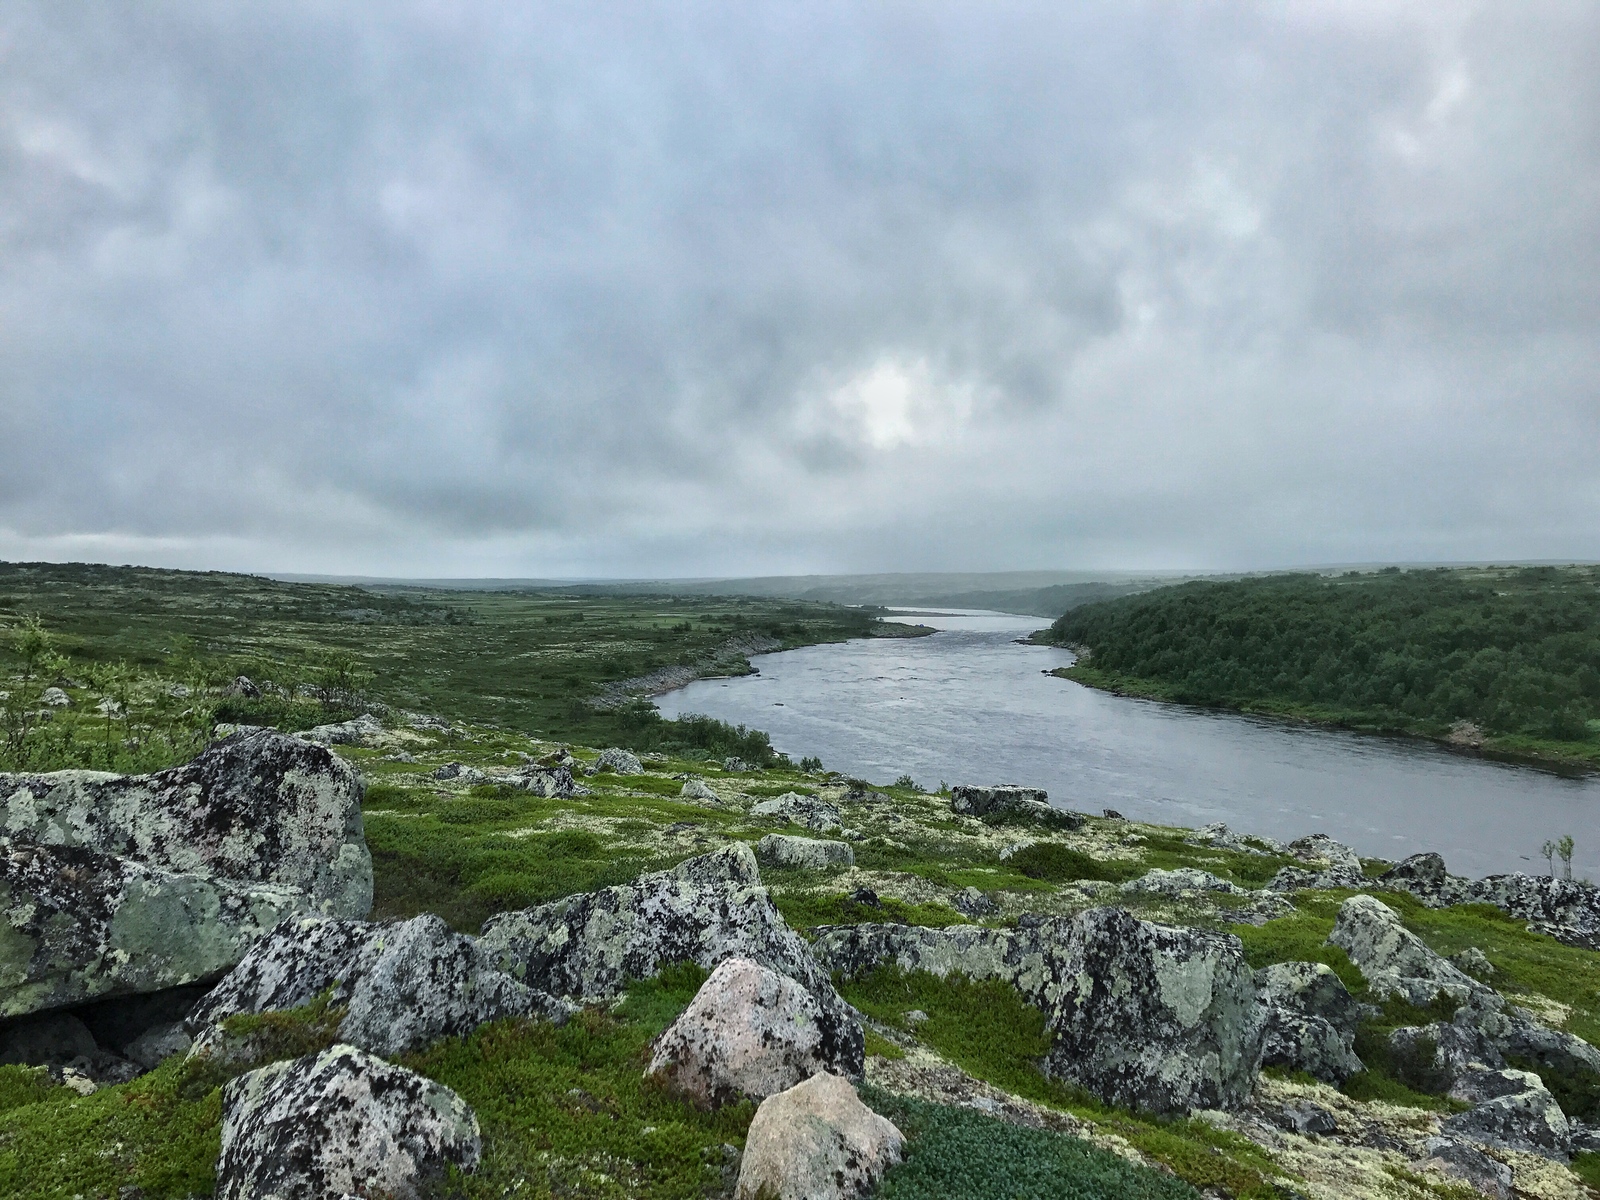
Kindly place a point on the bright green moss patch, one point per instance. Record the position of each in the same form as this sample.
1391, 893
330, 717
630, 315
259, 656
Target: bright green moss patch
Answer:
1300, 937
955, 1152
1586, 1166
21, 1085
1054, 863
146, 1134
566, 1111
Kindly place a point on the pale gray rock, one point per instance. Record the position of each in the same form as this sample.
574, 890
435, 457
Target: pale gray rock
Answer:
1395, 961
1308, 1020
1219, 835
1178, 883
704, 910
695, 788
750, 1032
1304, 1117
817, 1141
242, 688
359, 731
1459, 1160
1511, 1109
340, 1123
975, 904
1009, 802
1143, 1015
1483, 1032
1329, 864
1473, 961
547, 782
54, 697
814, 814
785, 850
459, 772
403, 984
618, 762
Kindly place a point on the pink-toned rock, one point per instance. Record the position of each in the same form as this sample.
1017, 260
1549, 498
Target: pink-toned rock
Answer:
750, 1031
816, 1141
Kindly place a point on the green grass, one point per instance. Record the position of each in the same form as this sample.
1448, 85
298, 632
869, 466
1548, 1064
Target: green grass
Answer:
955, 1152
1586, 1166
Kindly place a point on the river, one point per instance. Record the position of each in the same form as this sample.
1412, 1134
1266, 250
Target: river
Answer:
969, 705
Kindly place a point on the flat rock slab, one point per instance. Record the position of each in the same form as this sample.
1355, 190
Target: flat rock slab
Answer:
340, 1123
785, 850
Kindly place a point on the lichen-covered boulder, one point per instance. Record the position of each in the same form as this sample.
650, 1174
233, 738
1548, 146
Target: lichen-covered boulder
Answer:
402, 984
1461, 1160
704, 910
752, 1032
784, 850
817, 1141
1510, 1108
1484, 1031
545, 781
814, 814
1009, 802
1566, 909
1395, 961
695, 788
1330, 864
254, 808
364, 730
77, 925
340, 1123
618, 762
1143, 1015
1308, 1020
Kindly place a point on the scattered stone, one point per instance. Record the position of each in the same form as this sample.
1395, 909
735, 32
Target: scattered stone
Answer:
1178, 883
738, 766
816, 1141
1473, 961
340, 1123
618, 762
1304, 1117
361, 731
867, 897
704, 910
403, 985
1112, 814
1219, 835
1143, 1015
750, 1032
970, 902
814, 814
784, 850
54, 697
1395, 961
459, 772
1458, 1160
695, 788
400, 756
547, 782
242, 688
1334, 865
1510, 1109
1308, 1020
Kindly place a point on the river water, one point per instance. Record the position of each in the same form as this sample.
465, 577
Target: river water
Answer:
969, 705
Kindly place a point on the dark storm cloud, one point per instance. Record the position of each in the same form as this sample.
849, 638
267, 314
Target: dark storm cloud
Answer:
695, 288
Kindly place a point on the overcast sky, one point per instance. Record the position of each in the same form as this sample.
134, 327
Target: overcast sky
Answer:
617, 290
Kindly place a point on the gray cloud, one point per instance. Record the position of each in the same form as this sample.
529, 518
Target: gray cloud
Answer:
587, 289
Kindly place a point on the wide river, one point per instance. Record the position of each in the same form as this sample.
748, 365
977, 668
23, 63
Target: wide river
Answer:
969, 705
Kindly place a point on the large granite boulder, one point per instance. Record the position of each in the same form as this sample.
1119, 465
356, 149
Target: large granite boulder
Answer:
1329, 864
1308, 1020
751, 1032
401, 984
1483, 1033
1143, 1015
120, 884
1008, 802
340, 1123
704, 910
817, 1141
618, 761
813, 854
1395, 961
1511, 1109
1566, 909
814, 814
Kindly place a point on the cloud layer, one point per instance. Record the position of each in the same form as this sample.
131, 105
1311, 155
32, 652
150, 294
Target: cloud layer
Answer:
583, 289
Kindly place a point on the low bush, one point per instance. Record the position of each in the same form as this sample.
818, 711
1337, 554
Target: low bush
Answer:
1054, 863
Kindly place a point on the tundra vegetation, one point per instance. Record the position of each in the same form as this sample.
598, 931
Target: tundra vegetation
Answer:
565, 1109
1503, 659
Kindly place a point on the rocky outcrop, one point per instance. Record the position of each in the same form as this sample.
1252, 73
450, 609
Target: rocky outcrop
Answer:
1484, 1032
817, 1141
1143, 1015
783, 850
1563, 908
340, 1123
254, 808
1395, 961
751, 1032
1510, 1109
401, 984
1329, 864
1178, 883
1219, 835
546, 781
704, 910
618, 762
1308, 1020
1008, 802
814, 814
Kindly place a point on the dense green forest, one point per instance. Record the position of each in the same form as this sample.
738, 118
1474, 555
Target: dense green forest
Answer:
1508, 656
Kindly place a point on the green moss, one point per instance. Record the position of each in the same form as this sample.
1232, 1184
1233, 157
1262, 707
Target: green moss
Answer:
21, 1085
1301, 936
955, 1152
1586, 1166
882, 1046
1055, 863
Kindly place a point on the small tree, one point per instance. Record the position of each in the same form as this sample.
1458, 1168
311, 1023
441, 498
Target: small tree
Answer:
31, 641
1549, 852
1564, 852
